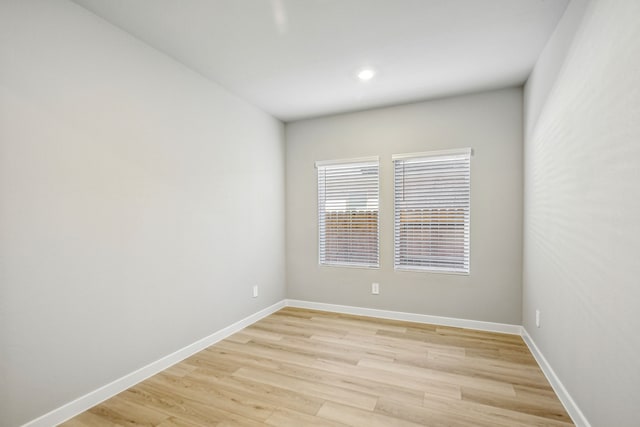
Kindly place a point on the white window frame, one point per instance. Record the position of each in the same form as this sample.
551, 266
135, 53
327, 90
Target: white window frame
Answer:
433, 254
369, 258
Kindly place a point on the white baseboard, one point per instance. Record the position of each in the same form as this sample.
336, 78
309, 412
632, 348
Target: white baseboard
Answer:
409, 317
103, 393
565, 398
569, 404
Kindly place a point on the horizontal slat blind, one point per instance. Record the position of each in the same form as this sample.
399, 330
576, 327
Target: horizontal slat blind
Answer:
432, 212
348, 213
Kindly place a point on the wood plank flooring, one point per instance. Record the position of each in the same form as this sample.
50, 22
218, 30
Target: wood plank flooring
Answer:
302, 367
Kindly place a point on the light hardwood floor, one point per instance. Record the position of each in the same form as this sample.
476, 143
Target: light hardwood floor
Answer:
310, 368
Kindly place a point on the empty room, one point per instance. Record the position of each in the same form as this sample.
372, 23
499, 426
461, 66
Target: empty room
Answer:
319, 213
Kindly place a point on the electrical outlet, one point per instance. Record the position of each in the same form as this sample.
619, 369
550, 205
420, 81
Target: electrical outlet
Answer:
255, 291
375, 288
537, 318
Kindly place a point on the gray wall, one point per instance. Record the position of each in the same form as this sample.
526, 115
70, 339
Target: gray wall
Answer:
490, 123
549, 63
139, 203
582, 211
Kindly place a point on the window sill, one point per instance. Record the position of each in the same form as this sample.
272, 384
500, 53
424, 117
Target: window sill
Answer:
427, 270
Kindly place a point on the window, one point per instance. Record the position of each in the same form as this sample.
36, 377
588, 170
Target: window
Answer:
348, 212
432, 207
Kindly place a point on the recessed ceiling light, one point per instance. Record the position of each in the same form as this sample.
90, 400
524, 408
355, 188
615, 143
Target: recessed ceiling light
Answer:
366, 74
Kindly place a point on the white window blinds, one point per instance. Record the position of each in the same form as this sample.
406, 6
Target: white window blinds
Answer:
348, 212
432, 211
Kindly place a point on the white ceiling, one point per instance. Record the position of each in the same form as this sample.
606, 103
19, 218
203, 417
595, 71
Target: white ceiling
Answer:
299, 58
